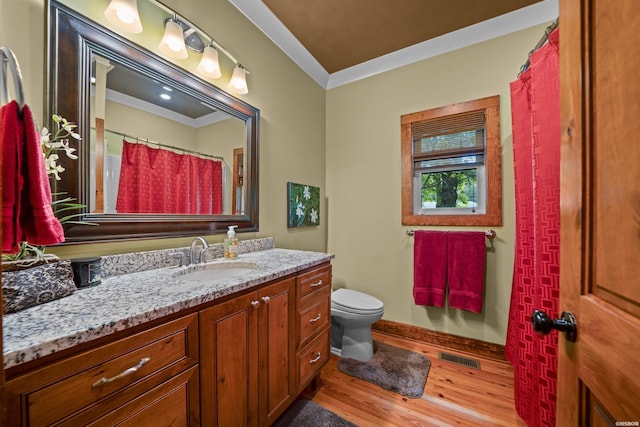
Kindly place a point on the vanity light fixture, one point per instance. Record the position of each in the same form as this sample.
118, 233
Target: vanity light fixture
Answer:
172, 43
209, 65
123, 14
238, 83
180, 35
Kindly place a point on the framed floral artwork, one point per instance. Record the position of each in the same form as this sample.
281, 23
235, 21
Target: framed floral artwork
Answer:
303, 207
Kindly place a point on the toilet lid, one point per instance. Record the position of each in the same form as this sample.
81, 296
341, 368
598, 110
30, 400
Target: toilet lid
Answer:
350, 299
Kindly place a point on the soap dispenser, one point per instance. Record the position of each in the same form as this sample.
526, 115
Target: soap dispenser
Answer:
231, 243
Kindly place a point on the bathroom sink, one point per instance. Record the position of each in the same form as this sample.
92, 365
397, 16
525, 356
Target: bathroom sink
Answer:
216, 271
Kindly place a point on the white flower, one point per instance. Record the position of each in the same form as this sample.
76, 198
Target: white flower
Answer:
44, 136
300, 210
306, 193
314, 216
51, 144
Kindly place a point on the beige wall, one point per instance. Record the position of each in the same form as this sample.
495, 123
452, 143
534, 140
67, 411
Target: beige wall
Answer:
373, 252
292, 109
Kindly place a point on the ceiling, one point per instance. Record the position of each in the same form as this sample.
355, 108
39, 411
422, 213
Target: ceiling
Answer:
338, 41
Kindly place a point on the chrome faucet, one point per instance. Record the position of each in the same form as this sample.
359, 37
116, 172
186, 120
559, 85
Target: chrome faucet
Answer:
194, 252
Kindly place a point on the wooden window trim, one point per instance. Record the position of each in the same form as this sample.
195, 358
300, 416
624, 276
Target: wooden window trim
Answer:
493, 164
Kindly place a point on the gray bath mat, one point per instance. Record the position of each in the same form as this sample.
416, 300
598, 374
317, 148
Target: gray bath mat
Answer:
392, 368
305, 413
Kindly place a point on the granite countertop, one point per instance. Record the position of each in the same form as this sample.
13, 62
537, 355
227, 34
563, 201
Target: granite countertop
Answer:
127, 300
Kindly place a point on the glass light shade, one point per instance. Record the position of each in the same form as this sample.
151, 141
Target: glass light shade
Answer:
172, 43
209, 65
238, 83
123, 14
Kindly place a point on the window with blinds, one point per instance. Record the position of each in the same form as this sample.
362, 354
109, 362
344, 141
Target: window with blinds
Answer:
447, 153
448, 160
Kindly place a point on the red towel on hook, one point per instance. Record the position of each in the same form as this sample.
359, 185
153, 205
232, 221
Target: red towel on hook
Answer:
11, 142
39, 224
429, 267
466, 269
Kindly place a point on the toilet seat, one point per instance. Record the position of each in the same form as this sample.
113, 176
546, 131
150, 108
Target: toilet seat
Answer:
350, 301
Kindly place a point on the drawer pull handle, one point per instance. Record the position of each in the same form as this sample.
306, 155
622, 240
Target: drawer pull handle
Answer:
266, 300
315, 359
122, 374
316, 284
315, 319
255, 304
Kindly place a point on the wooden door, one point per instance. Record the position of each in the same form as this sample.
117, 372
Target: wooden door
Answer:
276, 341
229, 363
598, 382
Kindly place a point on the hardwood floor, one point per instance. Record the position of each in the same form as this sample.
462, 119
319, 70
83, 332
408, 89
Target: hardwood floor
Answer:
455, 395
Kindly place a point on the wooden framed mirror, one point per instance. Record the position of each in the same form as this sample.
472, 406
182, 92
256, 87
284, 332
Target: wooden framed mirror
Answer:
81, 53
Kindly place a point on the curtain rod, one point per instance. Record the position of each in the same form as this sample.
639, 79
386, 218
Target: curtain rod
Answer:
161, 145
538, 45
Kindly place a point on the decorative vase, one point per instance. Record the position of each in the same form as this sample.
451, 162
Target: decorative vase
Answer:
27, 286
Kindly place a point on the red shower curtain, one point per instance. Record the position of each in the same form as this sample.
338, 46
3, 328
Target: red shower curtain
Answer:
535, 111
155, 180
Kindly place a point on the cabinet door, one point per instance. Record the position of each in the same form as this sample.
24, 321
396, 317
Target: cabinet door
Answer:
229, 369
276, 341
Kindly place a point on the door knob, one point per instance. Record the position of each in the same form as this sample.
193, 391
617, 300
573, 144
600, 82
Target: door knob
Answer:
543, 324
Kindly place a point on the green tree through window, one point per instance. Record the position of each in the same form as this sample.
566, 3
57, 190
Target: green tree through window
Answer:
450, 189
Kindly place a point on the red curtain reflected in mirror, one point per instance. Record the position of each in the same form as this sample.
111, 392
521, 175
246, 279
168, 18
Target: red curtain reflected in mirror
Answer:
160, 181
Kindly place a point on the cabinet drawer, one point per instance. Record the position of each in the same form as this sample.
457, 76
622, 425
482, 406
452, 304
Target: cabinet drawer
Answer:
172, 403
312, 318
313, 281
312, 357
115, 372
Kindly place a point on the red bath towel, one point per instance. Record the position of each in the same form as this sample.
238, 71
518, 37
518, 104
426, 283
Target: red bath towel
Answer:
429, 267
39, 224
466, 265
11, 138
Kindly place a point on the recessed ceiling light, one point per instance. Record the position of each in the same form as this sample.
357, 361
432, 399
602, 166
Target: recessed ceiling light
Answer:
167, 88
165, 96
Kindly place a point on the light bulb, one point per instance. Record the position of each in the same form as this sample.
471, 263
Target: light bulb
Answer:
209, 65
172, 43
123, 14
238, 83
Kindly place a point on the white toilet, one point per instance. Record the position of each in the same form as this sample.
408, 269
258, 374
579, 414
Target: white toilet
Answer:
352, 314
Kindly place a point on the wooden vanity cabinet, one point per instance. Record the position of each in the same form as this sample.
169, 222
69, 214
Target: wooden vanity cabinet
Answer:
246, 357
239, 362
125, 381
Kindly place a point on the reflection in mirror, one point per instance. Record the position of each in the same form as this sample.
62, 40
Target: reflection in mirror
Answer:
157, 137
163, 153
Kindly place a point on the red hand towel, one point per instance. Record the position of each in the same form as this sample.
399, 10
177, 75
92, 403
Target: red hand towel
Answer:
11, 141
429, 267
39, 224
466, 264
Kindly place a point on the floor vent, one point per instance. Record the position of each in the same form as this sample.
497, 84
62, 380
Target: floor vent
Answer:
460, 360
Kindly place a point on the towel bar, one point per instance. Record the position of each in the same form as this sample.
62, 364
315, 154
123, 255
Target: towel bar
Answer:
490, 234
